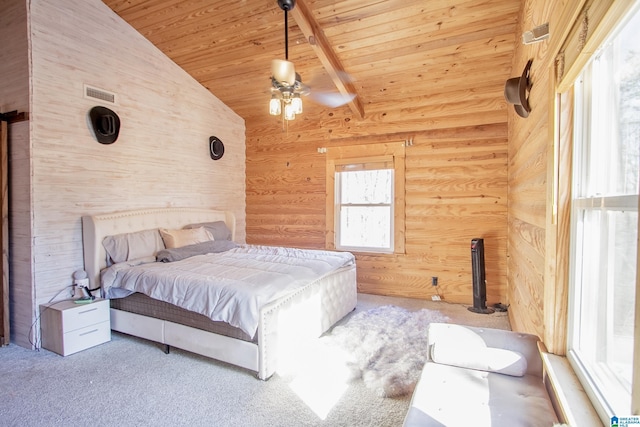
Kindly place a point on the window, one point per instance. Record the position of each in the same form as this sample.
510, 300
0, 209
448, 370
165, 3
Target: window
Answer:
364, 206
604, 215
365, 198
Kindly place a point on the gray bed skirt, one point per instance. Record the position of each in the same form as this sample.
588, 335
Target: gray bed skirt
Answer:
141, 304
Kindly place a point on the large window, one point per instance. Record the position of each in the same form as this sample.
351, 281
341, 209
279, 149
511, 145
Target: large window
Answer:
604, 214
365, 198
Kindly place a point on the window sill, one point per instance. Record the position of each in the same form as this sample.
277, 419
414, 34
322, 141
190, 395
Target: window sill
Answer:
375, 254
571, 402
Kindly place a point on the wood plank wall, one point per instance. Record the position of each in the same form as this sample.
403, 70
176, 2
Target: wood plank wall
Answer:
160, 159
528, 143
14, 96
456, 190
533, 268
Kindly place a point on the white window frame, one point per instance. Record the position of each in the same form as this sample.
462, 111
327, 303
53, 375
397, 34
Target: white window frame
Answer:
582, 203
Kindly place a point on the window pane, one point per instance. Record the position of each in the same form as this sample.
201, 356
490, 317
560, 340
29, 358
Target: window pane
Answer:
615, 113
366, 187
365, 226
605, 323
365, 209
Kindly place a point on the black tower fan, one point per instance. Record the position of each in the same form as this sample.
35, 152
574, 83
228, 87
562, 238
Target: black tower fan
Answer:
479, 280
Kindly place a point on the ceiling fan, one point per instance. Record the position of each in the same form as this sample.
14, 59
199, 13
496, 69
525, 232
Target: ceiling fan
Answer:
286, 83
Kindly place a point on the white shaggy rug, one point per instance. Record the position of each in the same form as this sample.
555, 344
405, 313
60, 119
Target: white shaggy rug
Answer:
385, 346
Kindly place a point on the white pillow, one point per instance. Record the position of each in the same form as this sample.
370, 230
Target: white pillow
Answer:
488, 359
129, 246
179, 238
218, 229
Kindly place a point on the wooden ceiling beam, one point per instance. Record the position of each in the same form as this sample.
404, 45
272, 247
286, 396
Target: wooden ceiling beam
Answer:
330, 61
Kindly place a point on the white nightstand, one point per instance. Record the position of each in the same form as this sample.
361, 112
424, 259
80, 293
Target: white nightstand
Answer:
68, 327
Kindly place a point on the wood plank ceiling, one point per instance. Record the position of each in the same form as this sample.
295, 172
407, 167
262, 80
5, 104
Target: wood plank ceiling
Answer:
404, 52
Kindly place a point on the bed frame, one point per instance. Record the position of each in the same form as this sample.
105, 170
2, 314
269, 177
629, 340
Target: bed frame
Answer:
307, 313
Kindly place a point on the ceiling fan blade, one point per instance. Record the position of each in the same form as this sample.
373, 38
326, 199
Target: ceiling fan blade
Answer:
323, 91
331, 99
283, 71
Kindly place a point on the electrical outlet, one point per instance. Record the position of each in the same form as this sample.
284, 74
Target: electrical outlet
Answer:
435, 298
434, 281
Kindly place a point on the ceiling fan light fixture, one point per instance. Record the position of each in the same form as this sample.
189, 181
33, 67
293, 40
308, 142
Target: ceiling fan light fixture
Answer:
287, 86
289, 112
286, 83
274, 106
296, 102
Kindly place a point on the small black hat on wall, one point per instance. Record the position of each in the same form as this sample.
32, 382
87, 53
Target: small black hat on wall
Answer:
516, 91
106, 124
216, 148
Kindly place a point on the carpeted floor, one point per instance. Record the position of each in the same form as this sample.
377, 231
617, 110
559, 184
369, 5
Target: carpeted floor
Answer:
459, 313
131, 382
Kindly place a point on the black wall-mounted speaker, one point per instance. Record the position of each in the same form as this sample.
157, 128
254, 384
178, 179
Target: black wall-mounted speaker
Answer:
479, 279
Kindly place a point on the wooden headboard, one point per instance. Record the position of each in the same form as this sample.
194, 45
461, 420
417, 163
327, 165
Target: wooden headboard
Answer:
96, 227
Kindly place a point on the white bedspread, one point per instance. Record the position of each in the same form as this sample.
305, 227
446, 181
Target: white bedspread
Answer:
229, 286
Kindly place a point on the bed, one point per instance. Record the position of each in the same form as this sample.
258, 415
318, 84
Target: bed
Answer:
306, 310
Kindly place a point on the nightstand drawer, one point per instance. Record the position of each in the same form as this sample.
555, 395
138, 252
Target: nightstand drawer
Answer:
85, 314
87, 337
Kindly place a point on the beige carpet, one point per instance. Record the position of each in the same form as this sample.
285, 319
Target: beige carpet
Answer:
131, 382
458, 313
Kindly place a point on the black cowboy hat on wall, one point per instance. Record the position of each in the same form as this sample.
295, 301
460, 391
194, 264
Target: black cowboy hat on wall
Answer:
216, 148
516, 91
105, 123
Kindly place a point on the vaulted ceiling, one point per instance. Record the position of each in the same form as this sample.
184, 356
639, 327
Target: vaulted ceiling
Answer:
396, 52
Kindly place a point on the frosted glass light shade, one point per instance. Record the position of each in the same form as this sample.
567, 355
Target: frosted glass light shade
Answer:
274, 106
289, 113
296, 103
283, 71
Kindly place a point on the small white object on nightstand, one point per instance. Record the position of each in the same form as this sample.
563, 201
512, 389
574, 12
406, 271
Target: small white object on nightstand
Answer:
68, 327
